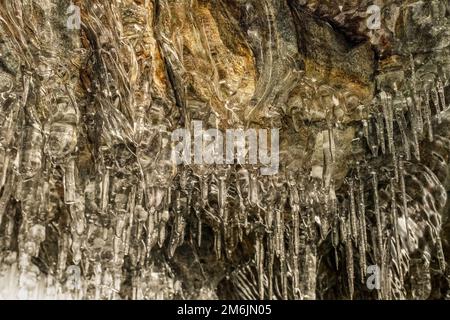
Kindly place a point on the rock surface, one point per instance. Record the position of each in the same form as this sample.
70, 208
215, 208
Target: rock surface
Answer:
92, 205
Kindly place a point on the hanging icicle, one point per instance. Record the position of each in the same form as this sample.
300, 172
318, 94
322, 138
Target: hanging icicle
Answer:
177, 236
387, 106
414, 116
437, 106
69, 182
259, 249
401, 121
380, 132
386, 102
353, 218
254, 189
362, 222
331, 143
379, 226
441, 91
271, 251
374, 143
427, 114
105, 191
349, 259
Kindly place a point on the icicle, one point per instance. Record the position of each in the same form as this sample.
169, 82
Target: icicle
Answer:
222, 194
415, 108
373, 131
131, 207
164, 217
69, 182
62, 253
278, 232
327, 163
105, 191
377, 216
418, 107
259, 247
413, 71
177, 235
366, 131
204, 191
388, 116
349, 259
336, 225
380, 132
441, 91
254, 189
427, 114
151, 225
343, 229
296, 229
231, 235
5, 197
362, 221
199, 235
222, 198
284, 286
269, 216
295, 259
217, 244
435, 98
331, 144
280, 247
401, 121
271, 252
353, 219
414, 126
335, 233
396, 229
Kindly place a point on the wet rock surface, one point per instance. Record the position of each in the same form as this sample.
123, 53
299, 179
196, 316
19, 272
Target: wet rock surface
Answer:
93, 207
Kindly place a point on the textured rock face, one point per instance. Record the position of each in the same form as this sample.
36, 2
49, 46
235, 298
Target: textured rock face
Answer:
92, 205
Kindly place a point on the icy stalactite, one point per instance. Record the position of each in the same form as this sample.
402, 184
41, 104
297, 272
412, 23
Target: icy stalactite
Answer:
353, 219
414, 121
441, 92
380, 132
388, 112
425, 97
379, 220
402, 125
349, 259
362, 224
259, 248
436, 103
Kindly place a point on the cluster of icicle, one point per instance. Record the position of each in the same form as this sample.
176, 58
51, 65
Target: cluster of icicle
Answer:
373, 220
109, 226
396, 125
71, 230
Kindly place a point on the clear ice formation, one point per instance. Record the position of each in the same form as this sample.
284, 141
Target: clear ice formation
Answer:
91, 206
